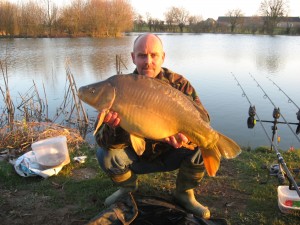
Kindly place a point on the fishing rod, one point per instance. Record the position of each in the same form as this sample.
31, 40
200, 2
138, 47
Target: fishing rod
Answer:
253, 113
276, 112
290, 101
244, 93
251, 121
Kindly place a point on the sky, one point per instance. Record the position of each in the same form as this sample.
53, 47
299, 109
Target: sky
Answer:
205, 8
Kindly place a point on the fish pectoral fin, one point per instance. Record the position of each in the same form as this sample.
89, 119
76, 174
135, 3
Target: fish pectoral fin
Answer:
111, 96
227, 147
189, 146
102, 114
138, 144
211, 158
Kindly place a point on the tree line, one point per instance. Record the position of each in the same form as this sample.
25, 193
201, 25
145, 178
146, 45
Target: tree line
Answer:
270, 14
102, 18
44, 18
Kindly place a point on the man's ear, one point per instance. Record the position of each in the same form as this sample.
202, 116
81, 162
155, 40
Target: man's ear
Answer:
133, 57
163, 56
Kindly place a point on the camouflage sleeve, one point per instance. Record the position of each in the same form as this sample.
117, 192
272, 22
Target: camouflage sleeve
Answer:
112, 138
182, 84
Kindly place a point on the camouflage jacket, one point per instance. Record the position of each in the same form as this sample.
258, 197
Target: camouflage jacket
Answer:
118, 138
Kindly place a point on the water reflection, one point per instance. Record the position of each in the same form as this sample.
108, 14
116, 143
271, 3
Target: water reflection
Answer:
271, 55
207, 60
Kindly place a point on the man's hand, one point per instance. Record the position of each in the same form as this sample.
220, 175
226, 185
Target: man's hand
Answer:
177, 141
112, 119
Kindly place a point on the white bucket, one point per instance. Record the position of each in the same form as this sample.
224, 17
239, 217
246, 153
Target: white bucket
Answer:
51, 152
288, 200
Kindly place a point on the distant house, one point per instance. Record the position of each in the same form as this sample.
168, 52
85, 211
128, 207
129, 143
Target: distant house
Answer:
259, 20
245, 20
289, 22
210, 22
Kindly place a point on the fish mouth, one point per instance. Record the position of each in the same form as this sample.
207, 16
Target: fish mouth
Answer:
79, 93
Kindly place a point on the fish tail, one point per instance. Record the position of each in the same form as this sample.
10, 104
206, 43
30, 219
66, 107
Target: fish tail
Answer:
228, 148
225, 147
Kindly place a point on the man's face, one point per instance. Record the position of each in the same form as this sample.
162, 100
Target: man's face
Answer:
148, 55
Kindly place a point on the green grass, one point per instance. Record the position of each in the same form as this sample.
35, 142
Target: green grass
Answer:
243, 192
259, 188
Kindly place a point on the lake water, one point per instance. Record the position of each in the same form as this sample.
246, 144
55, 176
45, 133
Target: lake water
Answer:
207, 60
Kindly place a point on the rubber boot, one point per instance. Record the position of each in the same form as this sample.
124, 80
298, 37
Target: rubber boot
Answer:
127, 182
189, 177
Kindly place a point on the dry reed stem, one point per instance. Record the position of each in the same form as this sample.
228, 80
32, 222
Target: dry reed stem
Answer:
25, 133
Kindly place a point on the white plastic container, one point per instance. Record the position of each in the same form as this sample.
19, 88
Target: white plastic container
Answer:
288, 200
51, 152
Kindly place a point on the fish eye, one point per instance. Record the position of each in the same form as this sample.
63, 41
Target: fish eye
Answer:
92, 90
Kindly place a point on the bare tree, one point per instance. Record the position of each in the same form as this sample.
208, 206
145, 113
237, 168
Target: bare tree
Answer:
72, 18
170, 21
235, 18
31, 19
122, 17
272, 11
50, 15
149, 21
98, 17
8, 24
194, 21
158, 25
179, 16
139, 22
94, 18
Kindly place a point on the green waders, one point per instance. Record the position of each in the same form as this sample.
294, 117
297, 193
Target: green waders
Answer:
127, 182
189, 176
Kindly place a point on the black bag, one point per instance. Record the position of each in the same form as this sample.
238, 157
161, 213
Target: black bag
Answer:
148, 210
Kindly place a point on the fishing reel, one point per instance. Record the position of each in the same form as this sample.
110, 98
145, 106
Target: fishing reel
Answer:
276, 113
276, 116
298, 127
251, 120
276, 170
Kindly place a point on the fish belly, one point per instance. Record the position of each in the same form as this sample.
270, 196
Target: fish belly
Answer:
145, 122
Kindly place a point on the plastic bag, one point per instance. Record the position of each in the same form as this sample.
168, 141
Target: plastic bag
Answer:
27, 166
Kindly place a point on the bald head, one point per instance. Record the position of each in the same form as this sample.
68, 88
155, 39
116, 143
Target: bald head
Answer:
148, 54
146, 37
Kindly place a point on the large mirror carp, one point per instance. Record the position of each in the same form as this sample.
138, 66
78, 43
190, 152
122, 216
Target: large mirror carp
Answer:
150, 108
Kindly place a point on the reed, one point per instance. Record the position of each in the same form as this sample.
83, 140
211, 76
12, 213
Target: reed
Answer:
31, 122
10, 108
119, 63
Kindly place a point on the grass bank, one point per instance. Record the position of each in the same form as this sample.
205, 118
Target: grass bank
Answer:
243, 191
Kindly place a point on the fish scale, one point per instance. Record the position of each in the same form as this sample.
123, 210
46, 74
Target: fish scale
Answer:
142, 101
150, 108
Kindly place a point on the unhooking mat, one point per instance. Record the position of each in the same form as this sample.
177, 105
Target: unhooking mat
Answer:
148, 210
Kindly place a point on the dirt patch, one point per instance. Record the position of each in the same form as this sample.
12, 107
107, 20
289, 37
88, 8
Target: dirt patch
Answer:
25, 207
29, 207
83, 174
